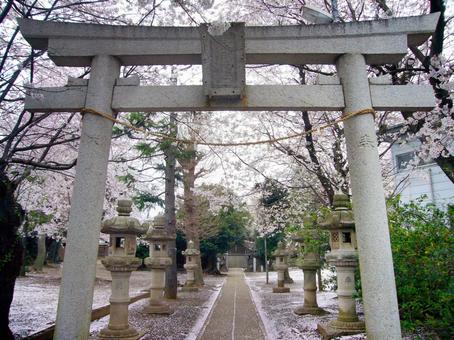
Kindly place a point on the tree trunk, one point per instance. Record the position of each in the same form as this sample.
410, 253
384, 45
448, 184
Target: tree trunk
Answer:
41, 257
171, 273
211, 265
319, 279
287, 278
11, 251
198, 273
23, 271
191, 221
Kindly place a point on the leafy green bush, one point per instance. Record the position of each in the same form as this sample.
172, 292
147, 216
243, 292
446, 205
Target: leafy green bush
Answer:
142, 252
423, 252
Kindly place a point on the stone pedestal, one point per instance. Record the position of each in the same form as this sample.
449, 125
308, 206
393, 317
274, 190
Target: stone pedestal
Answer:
190, 285
310, 266
310, 240
118, 327
281, 280
158, 280
347, 322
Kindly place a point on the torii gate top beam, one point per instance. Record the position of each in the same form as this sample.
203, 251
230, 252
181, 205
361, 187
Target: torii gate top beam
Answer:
383, 41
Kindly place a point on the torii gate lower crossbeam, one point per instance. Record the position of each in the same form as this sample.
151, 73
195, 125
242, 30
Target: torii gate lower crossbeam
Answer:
72, 45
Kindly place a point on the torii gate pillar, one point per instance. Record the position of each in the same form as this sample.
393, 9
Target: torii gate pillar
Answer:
79, 267
375, 257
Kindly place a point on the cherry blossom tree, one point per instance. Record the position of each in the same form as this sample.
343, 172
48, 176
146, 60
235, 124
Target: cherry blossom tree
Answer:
431, 63
38, 150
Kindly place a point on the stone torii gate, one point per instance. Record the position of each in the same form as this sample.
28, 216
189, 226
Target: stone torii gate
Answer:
350, 46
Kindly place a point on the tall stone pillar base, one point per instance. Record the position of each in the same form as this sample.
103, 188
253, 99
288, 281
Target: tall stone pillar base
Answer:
189, 289
310, 305
120, 268
190, 285
312, 310
338, 328
347, 322
124, 334
281, 290
158, 307
281, 279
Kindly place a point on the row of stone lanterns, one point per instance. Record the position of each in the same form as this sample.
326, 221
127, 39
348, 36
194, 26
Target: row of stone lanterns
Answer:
343, 255
123, 230
121, 261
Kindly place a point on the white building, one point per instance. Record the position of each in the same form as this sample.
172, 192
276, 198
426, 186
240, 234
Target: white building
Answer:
425, 178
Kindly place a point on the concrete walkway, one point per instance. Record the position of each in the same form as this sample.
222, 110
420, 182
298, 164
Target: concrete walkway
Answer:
234, 316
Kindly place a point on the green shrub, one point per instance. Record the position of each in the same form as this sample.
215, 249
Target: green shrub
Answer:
423, 252
142, 252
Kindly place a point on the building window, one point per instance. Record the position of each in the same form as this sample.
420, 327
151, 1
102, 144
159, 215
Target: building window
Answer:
404, 159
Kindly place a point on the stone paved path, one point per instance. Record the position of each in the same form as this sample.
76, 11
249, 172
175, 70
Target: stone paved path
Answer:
234, 316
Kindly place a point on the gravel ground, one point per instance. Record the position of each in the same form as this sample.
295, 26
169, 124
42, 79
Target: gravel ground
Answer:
35, 302
34, 305
276, 310
191, 311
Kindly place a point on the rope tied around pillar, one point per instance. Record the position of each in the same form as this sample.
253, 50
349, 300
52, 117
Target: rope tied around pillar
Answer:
318, 129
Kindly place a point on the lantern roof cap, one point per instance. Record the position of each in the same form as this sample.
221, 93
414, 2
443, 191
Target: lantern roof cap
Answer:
123, 223
190, 250
341, 217
157, 230
341, 202
280, 250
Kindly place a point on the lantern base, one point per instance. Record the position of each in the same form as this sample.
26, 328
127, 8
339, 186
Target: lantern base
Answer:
189, 289
338, 328
124, 334
281, 290
304, 310
163, 309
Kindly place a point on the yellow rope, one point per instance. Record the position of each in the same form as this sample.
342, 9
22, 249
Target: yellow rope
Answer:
266, 141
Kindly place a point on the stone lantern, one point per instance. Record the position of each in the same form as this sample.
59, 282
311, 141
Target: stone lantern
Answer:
309, 265
158, 238
343, 255
191, 254
281, 255
121, 262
